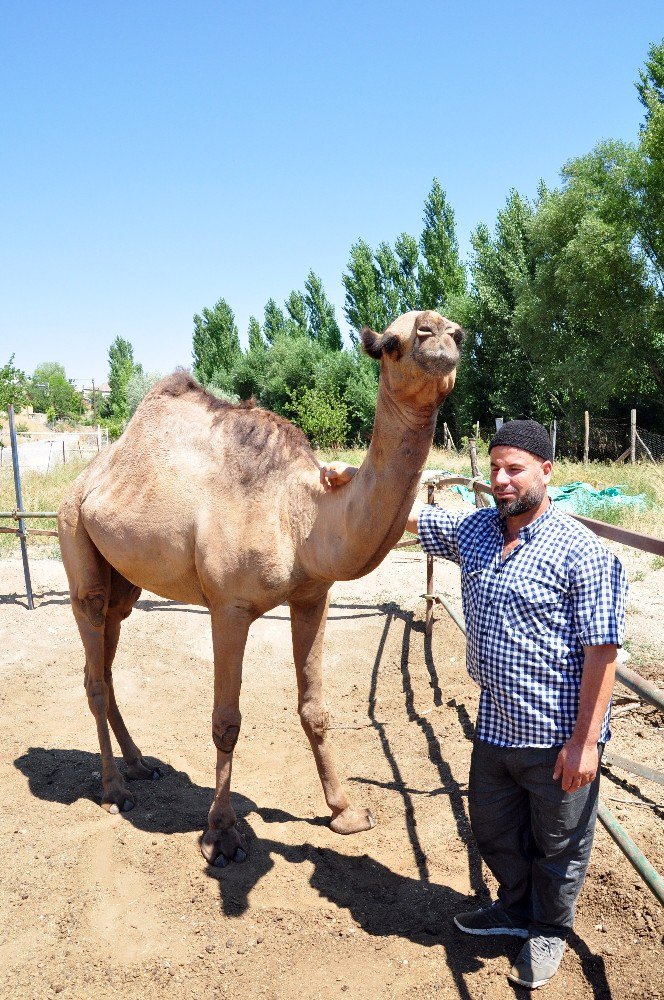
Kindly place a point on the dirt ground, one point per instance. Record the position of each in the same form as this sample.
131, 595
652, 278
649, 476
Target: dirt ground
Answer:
94, 905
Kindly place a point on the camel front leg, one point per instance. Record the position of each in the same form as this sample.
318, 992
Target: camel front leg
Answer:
222, 842
308, 629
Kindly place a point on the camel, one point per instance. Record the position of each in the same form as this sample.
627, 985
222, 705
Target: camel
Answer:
225, 506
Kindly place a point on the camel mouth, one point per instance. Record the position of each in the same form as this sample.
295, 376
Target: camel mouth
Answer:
439, 362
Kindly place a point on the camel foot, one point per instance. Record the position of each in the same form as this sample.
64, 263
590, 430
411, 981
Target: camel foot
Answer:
220, 847
352, 821
140, 771
117, 798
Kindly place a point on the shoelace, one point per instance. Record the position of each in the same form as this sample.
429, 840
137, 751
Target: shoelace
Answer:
541, 947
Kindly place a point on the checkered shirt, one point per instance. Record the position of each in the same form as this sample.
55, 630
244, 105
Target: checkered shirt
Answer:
529, 616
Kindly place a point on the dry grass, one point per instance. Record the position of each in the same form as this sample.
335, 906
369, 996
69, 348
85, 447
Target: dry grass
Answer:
41, 491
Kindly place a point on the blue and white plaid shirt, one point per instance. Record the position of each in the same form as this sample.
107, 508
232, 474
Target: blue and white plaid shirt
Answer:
529, 616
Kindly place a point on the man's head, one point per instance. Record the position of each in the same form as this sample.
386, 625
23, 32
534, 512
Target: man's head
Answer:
521, 464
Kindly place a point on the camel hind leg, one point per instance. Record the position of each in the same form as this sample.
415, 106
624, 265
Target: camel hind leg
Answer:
123, 596
100, 597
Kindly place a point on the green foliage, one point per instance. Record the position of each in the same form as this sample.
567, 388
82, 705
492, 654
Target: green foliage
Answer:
121, 368
442, 274
51, 392
321, 414
216, 345
323, 326
137, 388
13, 386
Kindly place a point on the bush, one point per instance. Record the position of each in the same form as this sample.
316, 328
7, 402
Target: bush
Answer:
322, 416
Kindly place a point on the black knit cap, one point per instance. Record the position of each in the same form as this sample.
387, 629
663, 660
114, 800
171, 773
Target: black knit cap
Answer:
527, 435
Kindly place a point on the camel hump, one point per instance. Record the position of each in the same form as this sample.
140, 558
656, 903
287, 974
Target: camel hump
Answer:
244, 424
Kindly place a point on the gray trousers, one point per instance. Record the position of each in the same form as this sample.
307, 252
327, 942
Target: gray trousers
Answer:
534, 837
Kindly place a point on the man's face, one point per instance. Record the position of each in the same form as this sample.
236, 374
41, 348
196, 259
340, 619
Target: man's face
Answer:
518, 480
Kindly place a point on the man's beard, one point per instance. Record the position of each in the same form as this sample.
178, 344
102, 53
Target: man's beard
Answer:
521, 505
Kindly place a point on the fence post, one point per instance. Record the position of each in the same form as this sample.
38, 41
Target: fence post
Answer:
554, 429
19, 505
429, 614
632, 436
98, 438
477, 430
64, 457
475, 469
586, 437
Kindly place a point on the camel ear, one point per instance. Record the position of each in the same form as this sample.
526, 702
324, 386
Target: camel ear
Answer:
372, 342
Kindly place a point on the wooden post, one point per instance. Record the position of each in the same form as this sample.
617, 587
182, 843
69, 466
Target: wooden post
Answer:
554, 429
19, 505
50, 449
64, 457
477, 430
632, 436
98, 438
586, 437
429, 614
475, 469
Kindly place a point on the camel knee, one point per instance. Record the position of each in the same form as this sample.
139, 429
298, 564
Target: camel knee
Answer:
93, 605
226, 730
315, 720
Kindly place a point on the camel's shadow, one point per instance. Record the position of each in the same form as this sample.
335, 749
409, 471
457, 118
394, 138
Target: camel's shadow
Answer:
381, 901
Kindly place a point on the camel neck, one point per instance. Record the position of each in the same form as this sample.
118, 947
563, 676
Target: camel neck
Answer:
366, 518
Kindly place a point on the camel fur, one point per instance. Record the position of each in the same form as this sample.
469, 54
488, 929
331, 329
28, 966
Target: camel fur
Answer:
208, 503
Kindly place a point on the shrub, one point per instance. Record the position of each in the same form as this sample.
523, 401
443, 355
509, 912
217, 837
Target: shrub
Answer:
322, 415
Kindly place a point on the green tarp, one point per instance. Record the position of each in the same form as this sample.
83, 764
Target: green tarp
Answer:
578, 498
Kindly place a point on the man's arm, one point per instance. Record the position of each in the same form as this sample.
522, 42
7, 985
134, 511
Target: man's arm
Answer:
577, 762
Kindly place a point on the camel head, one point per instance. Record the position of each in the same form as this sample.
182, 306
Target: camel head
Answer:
418, 354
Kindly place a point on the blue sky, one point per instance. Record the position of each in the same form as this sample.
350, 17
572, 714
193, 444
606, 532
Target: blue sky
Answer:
157, 156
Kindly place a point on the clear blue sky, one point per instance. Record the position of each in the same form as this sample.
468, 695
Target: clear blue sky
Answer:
156, 156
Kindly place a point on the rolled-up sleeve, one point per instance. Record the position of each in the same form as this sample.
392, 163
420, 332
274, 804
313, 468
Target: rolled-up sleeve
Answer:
598, 593
438, 530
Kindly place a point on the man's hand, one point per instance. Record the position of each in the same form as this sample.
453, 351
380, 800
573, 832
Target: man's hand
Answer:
577, 765
335, 474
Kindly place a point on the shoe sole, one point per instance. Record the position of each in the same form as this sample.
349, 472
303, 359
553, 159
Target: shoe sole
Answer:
490, 931
530, 986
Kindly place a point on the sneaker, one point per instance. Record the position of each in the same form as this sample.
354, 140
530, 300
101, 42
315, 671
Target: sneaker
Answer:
491, 920
537, 961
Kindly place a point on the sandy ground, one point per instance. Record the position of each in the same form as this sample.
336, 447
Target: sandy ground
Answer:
93, 905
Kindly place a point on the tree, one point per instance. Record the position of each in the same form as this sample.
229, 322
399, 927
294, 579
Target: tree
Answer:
254, 335
441, 275
13, 386
323, 325
297, 324
138, 386
51, 390
274, 322
121, 367
363, 304
216, 345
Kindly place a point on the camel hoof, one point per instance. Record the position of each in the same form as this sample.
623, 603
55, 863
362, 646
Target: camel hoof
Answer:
140, 771
352, 821
220, 847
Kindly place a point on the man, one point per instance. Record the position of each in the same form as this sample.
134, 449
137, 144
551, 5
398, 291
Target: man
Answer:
544, 603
